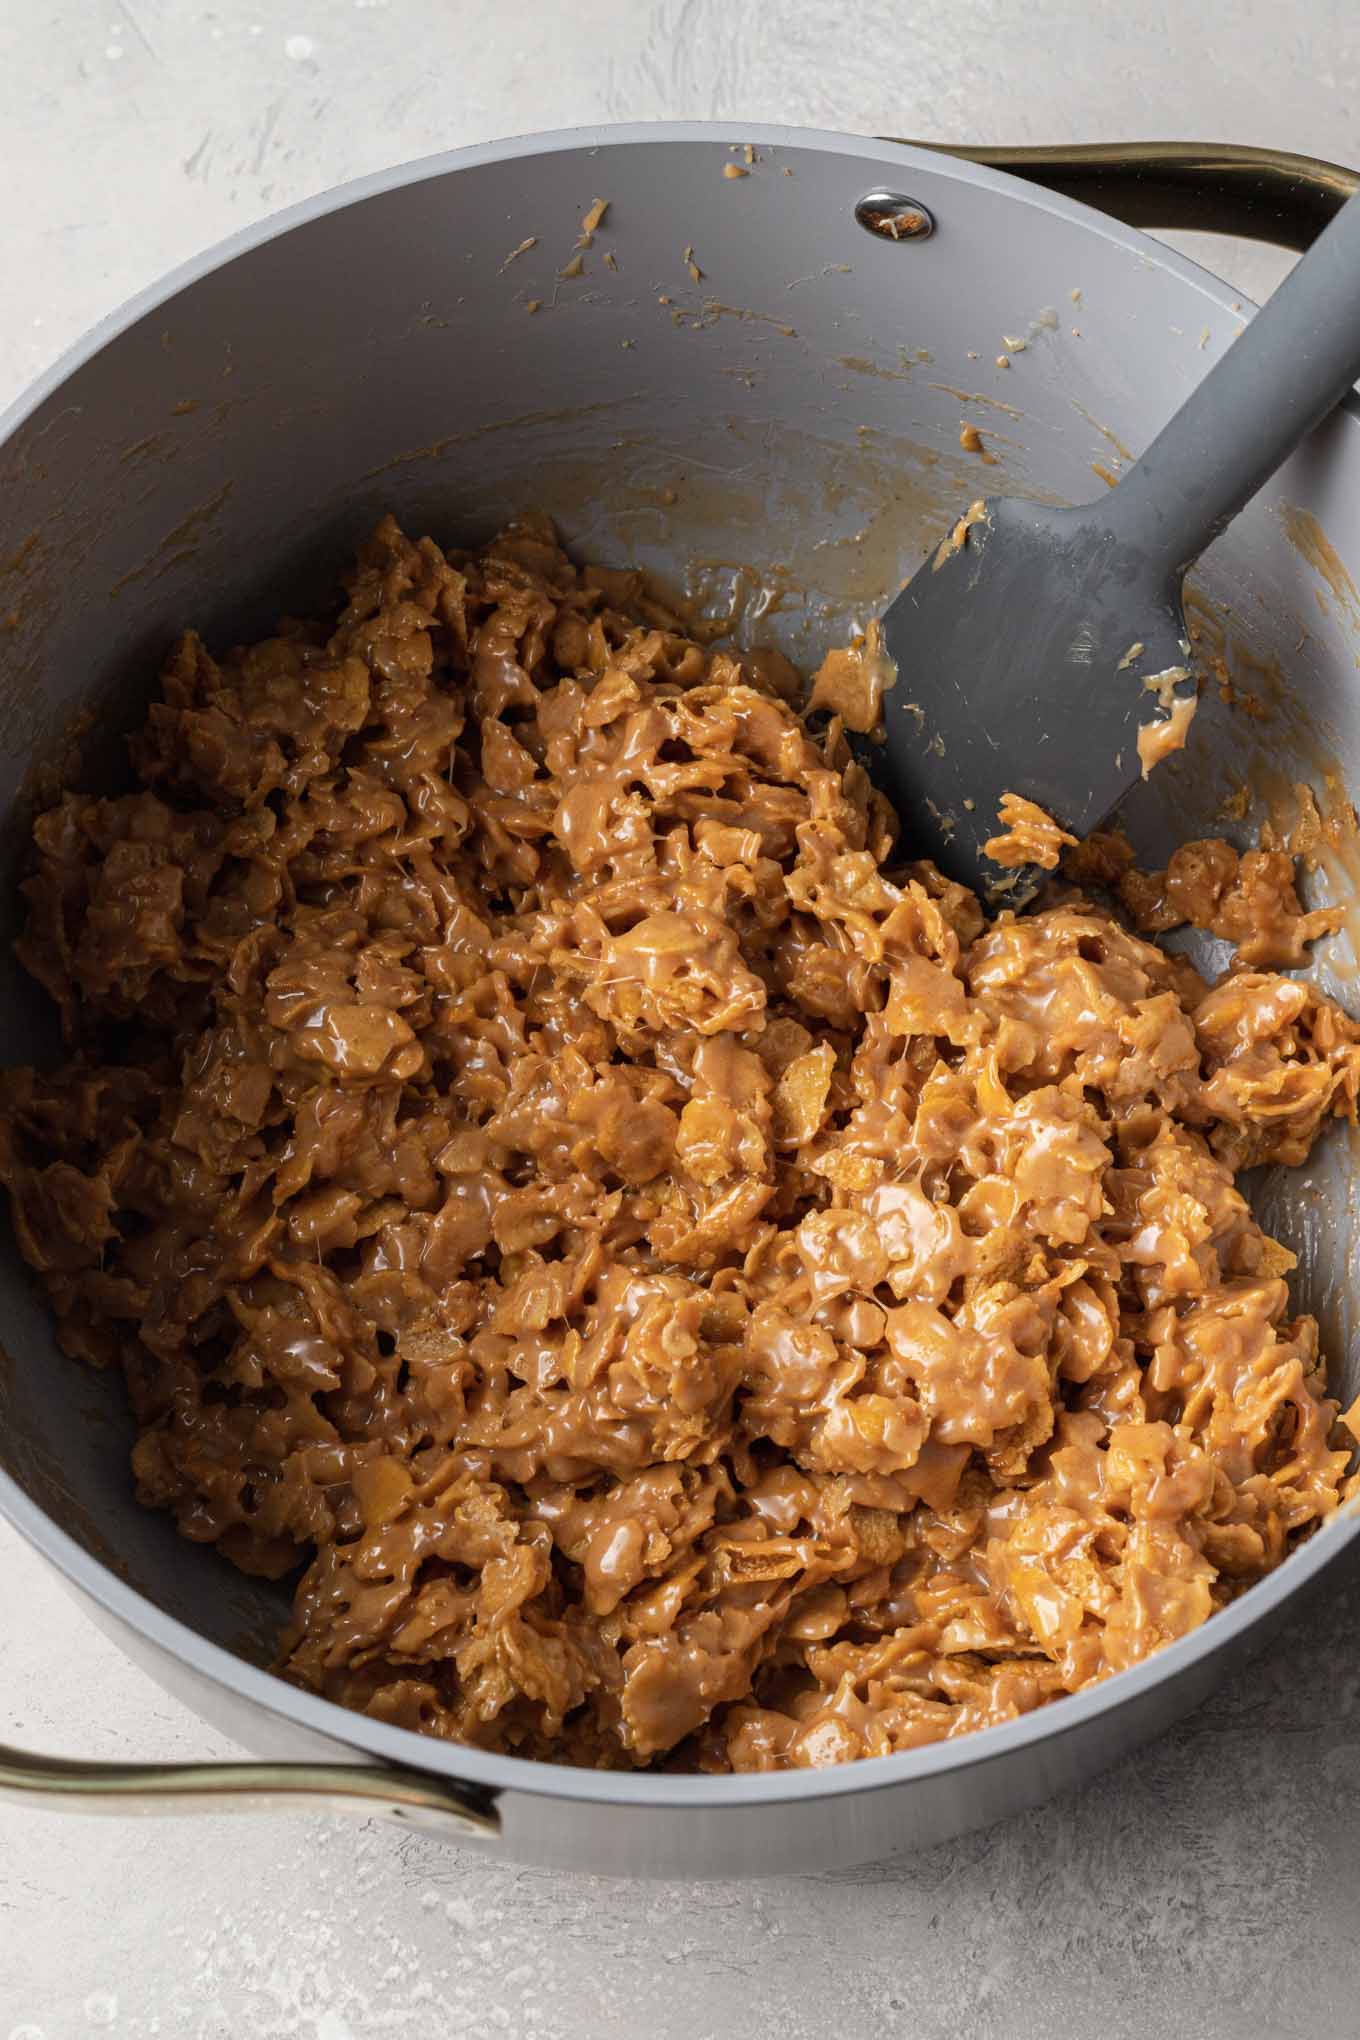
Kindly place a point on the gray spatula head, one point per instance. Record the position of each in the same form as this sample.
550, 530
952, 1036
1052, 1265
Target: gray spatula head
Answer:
1035, 651
1043, 652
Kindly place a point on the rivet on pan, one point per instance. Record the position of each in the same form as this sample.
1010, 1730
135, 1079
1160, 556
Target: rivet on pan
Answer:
893, 217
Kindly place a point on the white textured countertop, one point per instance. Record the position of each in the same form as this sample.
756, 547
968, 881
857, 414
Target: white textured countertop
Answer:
1208, 1886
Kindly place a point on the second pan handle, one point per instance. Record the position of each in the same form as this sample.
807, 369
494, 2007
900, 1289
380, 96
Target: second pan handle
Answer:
1210, 187
442, 1807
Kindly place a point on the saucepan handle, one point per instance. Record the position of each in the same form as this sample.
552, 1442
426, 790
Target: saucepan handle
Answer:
1212, 187
439, 1806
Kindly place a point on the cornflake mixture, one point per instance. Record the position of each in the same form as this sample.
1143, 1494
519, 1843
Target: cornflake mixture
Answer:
678, 1286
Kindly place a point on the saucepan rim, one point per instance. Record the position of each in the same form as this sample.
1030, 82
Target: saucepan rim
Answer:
1047, 1725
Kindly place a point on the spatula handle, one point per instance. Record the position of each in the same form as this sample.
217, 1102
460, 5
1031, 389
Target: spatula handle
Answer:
1281, 376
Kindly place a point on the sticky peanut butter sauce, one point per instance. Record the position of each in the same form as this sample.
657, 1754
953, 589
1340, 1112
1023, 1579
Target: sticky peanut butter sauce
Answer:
673, 1283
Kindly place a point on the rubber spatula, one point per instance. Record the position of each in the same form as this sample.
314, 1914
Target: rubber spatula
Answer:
1036, 646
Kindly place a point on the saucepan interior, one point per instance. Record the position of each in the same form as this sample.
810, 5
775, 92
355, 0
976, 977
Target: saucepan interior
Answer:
736, 386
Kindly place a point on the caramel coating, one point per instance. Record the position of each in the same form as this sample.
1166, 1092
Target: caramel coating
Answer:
1027, 835
679, 1288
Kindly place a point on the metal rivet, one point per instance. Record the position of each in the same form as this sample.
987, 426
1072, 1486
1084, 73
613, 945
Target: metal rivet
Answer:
893, 217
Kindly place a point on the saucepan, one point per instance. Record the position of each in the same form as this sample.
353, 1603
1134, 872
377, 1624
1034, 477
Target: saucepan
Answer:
759, 396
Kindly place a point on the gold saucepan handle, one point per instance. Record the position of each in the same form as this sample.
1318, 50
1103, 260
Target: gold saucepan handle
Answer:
439, 1806
1212, 187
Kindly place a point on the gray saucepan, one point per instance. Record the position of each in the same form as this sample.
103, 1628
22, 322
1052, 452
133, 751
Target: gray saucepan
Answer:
760, 397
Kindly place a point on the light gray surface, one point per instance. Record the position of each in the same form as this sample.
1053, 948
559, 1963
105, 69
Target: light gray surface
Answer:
1208, 1887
